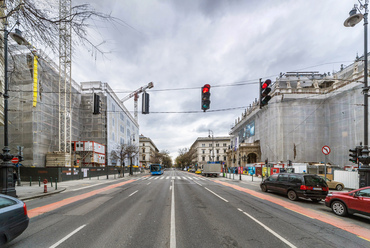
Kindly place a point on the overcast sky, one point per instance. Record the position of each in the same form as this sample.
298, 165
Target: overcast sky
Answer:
182, 45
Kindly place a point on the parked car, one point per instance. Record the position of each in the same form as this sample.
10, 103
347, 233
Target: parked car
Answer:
295, 185
355, 201
13, 218
334, 184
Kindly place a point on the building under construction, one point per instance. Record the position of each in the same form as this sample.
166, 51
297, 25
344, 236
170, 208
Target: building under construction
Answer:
33, 113
307, 111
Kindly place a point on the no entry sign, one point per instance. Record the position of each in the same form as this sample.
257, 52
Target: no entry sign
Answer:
15, 160
326, 150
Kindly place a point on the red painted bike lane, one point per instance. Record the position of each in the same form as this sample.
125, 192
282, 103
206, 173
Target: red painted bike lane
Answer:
47, 208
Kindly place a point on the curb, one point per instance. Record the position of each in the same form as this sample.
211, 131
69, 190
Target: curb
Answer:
42, 195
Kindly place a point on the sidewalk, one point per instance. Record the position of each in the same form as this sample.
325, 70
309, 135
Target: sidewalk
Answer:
245, 178
27, 192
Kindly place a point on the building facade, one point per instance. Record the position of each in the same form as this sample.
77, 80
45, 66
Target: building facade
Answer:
147, 148
113, 126
210, 149
307, 111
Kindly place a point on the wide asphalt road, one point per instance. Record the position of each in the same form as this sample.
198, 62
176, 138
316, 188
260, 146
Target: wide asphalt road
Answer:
179, 209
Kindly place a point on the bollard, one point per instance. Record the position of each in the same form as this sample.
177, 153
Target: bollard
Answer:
45, 186
56, 183
51, 182
39, 181
30, 181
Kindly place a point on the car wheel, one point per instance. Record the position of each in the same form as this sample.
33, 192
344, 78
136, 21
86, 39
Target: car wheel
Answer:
339, 208
339, 187
315, 200
263, 188
292, 195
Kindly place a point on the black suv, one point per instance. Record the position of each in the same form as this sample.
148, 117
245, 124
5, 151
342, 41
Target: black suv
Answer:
296, 185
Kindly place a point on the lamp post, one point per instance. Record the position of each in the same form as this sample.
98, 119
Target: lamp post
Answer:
7, 186
213, 148
351, 21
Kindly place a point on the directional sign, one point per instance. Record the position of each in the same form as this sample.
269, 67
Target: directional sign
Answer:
326, 150
15, 160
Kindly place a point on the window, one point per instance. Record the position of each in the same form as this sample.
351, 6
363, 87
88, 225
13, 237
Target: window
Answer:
203, 151
122, 129
121, 141
121, 116
217, 151
224, 158
143, 150
217, 144
294, 179
210, 145
364, 193
203, 145
203, 158
273, 178
112, 136
113, 107
143, 157
210, 151
113, 121
225, 144
224, 150
283, 178
5, 202
217, 158
143, 144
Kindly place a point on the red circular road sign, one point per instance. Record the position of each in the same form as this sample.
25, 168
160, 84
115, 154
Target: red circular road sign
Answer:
326, 150
15, 160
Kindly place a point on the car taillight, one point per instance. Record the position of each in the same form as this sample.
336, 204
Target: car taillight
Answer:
304, 187
25, 208
325, 188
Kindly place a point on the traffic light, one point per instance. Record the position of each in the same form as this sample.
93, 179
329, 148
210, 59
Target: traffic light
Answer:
264, 92
205, 97
353, 155
145, 103
96, 104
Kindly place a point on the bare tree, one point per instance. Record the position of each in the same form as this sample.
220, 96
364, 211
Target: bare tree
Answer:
186, 157
121, 153
162, 157
41, 21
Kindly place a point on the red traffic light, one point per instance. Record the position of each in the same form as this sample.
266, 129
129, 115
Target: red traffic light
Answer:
206, 88
266, 84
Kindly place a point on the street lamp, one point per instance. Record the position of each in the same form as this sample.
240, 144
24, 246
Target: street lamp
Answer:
7, 186
351, 21
213, 148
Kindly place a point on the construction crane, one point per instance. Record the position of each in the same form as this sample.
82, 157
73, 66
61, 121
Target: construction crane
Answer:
65, 77
135, 94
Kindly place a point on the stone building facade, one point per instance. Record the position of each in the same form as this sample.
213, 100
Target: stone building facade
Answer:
146, 149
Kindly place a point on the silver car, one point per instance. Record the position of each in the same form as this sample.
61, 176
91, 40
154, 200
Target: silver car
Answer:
13, 218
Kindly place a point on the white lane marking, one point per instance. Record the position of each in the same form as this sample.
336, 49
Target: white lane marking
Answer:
87, 186
148, 183
268, 229
161, 178
173, 178
184, 178
173, 226
216, 195
133, 193
67, 237
178, 177
197, 183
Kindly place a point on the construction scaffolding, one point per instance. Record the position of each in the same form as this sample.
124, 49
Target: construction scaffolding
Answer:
34, 107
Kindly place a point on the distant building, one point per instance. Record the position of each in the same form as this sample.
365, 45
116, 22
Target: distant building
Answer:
146, 149
210, 149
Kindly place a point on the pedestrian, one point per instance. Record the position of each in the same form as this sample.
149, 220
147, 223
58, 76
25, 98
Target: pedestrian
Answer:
15, 177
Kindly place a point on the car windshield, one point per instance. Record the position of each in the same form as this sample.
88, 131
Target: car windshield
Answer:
155, 168
314, 180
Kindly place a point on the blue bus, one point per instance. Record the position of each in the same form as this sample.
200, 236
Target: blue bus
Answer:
156, 169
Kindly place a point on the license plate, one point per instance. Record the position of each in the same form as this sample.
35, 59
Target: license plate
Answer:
317, 188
